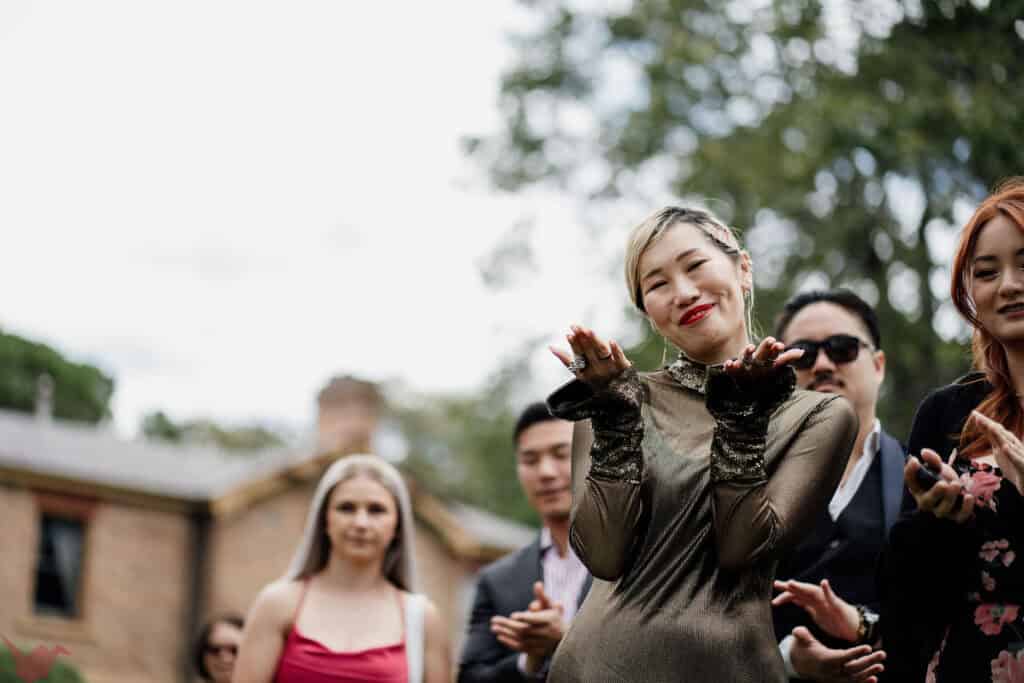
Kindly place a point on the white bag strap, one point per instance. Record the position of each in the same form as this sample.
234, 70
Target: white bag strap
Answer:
415, 608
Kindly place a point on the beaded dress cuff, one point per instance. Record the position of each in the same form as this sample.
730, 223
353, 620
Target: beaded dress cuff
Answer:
742, 412
616, 418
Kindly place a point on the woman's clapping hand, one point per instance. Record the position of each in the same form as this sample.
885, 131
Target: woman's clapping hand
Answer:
1006, 447
941, 498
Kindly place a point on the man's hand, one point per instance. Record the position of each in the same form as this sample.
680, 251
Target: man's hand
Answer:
834, 615
815, 662
535, 632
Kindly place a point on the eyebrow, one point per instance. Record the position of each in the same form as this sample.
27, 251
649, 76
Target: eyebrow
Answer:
553, 447
990, 257
677, 259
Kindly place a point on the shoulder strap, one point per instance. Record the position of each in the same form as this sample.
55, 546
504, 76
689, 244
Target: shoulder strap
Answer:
414, 635
302, 598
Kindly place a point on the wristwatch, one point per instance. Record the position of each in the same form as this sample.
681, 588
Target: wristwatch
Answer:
868, 625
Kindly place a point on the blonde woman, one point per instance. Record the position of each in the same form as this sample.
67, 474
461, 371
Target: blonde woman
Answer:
689, 482
344, 612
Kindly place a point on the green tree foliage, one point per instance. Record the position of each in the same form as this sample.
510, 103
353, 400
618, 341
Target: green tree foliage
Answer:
849, 139
461, 447
246, 438
80, 392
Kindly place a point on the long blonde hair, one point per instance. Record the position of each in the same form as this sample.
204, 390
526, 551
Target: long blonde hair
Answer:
315, 548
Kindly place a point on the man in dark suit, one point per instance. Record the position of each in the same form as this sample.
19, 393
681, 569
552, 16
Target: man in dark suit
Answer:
524, 601
842, 354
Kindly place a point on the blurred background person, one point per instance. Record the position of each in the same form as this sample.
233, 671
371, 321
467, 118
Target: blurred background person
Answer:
952, 579
344, 610
839, 334
216, 648
525, 601
688, 483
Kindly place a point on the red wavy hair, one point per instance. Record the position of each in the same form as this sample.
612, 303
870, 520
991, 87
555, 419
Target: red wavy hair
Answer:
988, 352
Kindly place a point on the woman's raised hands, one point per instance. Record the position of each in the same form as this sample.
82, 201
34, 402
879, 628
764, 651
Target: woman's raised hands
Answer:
1006, 447
762, 361
594, 361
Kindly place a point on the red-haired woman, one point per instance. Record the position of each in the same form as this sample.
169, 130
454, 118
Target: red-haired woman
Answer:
953, 608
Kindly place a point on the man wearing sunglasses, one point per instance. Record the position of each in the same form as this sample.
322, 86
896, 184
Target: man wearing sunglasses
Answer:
839, 334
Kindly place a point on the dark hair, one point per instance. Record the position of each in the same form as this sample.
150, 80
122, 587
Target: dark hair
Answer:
843, 298
204, 636
534, 413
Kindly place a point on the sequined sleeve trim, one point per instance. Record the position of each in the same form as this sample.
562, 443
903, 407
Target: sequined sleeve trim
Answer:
741, 417
616, 418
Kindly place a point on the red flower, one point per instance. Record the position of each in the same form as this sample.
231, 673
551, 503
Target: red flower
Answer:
991, 617
991, 550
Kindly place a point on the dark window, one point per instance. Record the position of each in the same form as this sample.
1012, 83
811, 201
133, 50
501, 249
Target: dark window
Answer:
59, 566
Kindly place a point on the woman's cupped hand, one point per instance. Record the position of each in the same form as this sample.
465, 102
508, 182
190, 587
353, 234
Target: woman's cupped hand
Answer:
593, 360
758, 363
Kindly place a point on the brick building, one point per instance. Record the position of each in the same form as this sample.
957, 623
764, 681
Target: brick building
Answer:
120, 549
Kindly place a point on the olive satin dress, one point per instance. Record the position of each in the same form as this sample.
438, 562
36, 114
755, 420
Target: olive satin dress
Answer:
686, 488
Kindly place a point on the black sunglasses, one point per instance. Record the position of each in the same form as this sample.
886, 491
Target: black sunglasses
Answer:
840, 348
215, 650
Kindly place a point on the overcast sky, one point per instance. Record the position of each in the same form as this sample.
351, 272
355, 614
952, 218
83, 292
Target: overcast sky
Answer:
224, 203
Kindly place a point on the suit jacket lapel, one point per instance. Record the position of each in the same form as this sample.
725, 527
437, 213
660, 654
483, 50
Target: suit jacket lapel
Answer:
530, 568
893, 459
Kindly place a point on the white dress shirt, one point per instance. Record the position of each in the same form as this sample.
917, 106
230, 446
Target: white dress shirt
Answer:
563, 580
848, 489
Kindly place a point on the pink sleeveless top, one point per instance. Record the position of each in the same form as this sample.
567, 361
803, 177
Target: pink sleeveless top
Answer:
305, 660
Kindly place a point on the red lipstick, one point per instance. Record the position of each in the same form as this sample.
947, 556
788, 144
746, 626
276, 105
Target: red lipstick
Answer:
1013, 311
695, 314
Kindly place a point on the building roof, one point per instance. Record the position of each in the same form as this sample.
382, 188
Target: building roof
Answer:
490, 528
91, 454
88, 460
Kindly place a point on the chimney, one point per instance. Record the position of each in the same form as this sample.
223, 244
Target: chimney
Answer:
349, 410
44, 398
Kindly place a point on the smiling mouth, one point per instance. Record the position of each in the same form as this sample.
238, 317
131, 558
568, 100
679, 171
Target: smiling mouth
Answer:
695, 314
1012, 308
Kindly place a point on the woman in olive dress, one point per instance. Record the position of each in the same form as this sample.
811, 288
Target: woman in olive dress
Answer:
689, 482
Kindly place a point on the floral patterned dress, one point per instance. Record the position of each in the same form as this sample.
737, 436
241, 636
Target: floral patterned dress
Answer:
952, 594
985, 639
